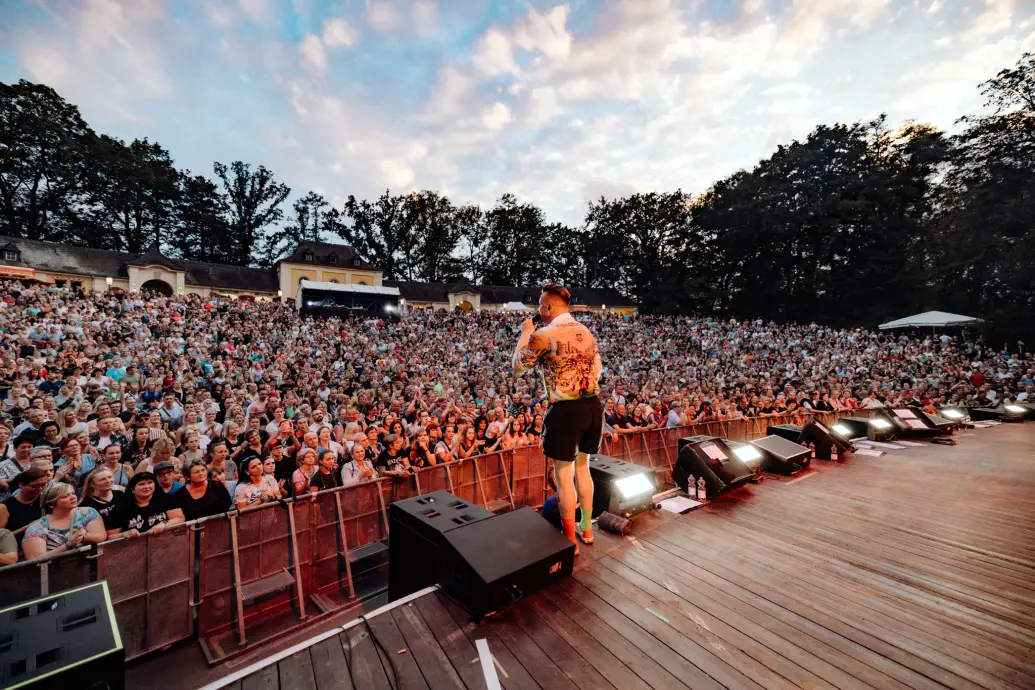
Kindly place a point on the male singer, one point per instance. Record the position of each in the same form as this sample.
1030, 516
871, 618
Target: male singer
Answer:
570, 364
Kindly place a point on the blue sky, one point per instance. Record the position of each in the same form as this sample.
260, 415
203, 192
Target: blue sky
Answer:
556, 102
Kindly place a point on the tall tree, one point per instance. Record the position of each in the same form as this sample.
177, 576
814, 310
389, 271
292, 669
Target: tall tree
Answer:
310, 217
470, 223
985, 234
432, 224
43, 143
129, 194
378, 231
253, 202
518, 249
202, 233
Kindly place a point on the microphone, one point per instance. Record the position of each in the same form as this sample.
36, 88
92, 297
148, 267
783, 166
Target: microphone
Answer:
537, 320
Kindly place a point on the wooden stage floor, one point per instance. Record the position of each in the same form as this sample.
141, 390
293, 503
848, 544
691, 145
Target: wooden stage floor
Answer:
915, 569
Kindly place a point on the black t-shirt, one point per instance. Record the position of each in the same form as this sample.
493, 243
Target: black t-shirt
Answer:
106, 508
619, 422
130, 515
214, 501
321, 481
21, 514
387, 461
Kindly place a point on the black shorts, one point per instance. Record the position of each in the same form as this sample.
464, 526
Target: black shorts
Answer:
573, 426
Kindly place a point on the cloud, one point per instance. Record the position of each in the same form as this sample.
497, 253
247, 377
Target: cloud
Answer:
383, 16
496, 116
312, 52
557, 101
494, 53
338, 32
425, 17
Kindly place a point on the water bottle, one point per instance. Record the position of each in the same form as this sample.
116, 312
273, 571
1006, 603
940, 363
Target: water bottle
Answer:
701, 489
812, 450
833, 453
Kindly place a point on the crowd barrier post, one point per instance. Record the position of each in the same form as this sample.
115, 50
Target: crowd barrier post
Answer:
528, 476
500, 495
151, 580
344, 548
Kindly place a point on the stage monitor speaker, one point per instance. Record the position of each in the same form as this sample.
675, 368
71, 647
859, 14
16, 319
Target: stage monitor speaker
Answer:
791, 432
824, 441
711, 458
491, 563
912, 422
620, 487
62, 641
781, 456
1012, 412
416, 529
985, 414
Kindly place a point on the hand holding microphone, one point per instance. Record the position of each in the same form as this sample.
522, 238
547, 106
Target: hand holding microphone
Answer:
529, 325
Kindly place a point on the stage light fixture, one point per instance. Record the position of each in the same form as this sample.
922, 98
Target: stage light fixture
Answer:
952, 414
880, 424
633, 486
1015, 408
749, 455
619, 487
842, 431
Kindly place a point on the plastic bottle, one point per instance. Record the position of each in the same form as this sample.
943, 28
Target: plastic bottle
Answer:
833, 453
812, 450
702, 490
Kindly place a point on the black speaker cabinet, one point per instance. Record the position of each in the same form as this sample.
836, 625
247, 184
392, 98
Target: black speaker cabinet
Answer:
489, 564
781, 456
711, 458
619, 487
62, 641
791, 432
416, 542
817, 434
913, 423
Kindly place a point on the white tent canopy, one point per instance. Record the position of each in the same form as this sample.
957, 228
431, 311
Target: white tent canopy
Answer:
514, 306
930, 319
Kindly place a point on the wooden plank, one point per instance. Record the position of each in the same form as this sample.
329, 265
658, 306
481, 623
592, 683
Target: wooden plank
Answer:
980, 650
761, 665
581, 672
782, 657
763, 620
824, 624
457, 648
642, 638
329, 667
688, 643
512, 675
363, 660
396, 654
587, 647
296, 672
435, 667
545, 672
266, 678
652, 672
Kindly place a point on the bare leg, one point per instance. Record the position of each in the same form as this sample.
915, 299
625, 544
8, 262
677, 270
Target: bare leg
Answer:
564, 475
584, 484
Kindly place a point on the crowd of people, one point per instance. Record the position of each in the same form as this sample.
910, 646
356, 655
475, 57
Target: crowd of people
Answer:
127, 413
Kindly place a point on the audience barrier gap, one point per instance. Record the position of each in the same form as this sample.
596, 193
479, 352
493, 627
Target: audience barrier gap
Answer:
186, 582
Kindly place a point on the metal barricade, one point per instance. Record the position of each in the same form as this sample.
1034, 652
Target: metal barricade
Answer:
364, 513
435, 478
52, 573
528, 476
494, 481
465, 481
151, 580
328, 545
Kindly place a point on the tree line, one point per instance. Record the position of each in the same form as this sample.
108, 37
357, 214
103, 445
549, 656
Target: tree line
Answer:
855, 224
